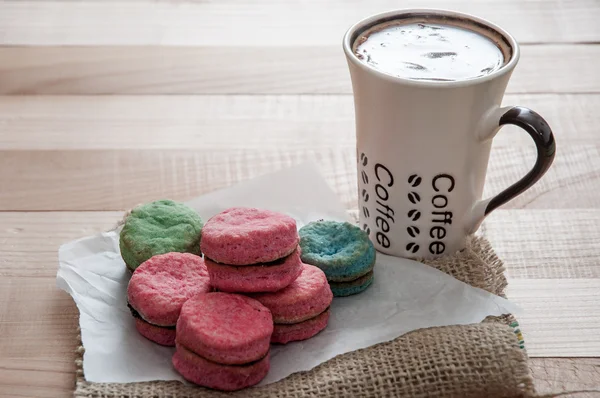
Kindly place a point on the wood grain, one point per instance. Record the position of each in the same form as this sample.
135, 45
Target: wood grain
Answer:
120, 179
249, 23
117, 180
527, 241
111, 156
550, 244
264, 69
239, 121
561, 317
29, 241
38, 330
554, 375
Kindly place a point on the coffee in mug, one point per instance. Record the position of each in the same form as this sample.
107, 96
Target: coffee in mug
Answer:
427, 51
428, 88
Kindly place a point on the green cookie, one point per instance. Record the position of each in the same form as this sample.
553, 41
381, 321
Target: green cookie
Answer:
159, 227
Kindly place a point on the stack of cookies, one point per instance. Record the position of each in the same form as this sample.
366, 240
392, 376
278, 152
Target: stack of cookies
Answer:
223, 341
256, 252
158, 289
301, 310
343, 251
249, 250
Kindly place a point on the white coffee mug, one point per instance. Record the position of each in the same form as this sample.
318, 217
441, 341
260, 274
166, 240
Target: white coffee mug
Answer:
423, 147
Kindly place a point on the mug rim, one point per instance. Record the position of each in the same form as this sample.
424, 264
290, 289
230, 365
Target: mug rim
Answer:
354, 31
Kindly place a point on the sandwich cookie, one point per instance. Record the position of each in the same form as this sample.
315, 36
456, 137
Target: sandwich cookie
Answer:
268, 277
223, 341
343, 251
158, 289
300, 310
159, 227
246, 236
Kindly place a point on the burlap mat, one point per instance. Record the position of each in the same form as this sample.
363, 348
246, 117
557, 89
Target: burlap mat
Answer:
480, 360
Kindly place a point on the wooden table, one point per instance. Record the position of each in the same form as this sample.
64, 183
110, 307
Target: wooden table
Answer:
108, 104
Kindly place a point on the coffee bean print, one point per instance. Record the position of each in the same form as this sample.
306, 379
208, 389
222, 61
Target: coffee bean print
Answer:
414, 180
413, 231
365, 177
367, 229
414, 214
412, 247
366, 212
365, 195
364, 159
414, 197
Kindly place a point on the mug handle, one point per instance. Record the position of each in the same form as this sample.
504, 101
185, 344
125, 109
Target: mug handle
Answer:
539, 130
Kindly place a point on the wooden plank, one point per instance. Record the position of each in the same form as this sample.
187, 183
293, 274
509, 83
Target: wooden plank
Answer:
38, 330
245, 121
211, 69
538, 244
286, 23
29, 242
120, 179
561, 317
208, 141
555, 375
527, 241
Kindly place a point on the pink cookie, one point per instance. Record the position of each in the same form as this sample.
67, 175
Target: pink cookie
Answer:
284, 333
255, 278
305, 298
159, 286
158, 334
225, 328
244, 236
198, 370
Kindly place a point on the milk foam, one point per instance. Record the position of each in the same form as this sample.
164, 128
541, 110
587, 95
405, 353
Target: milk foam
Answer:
424, 51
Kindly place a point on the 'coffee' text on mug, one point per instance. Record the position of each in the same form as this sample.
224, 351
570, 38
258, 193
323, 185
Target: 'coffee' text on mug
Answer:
441, 184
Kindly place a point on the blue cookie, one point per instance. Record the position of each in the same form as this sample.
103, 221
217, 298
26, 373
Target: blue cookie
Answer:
342, 289
342, 250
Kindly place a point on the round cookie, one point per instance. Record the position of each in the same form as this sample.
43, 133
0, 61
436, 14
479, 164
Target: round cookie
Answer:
206, 373
160, 286
225, 328
308, 296
342, 250
245, 236
159, 227
268, 277
284, 333
342, 289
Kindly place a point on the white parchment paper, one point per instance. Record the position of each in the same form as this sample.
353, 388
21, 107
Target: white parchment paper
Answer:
405, 296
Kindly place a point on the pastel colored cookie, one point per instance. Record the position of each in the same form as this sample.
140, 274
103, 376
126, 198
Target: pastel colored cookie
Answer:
159, 286
210, 374
159, 227
285, 333
308, 296
158, 334
342, 250
244, 236
268, 277
342, 289
225, 328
